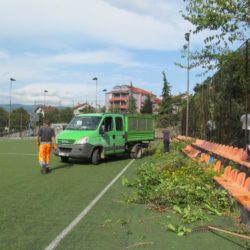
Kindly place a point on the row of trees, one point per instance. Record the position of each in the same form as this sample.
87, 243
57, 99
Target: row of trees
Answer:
219, 102
19, 120
56, 115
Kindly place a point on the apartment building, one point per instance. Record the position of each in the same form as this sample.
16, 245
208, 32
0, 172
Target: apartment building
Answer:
118, 98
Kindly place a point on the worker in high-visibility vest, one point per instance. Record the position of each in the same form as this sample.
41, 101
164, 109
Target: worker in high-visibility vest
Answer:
45, 141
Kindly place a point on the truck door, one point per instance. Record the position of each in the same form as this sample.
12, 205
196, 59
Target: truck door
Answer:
119, 135
108, 140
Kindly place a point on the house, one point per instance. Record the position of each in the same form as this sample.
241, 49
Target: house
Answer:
118, 98
43, 109
83, 108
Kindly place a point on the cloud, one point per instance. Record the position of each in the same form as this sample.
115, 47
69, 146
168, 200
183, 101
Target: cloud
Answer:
62, 93
3, 55
30, 67
133, 25
61, 45
110, 56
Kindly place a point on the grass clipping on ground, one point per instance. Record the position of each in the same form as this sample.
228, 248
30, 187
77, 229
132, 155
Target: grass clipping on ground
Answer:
173, 182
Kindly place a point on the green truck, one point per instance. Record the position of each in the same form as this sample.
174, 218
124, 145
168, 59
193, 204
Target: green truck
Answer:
96, 136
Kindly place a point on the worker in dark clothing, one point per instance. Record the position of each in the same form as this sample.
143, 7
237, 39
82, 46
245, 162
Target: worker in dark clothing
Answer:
246, 154
45, 141
166, 140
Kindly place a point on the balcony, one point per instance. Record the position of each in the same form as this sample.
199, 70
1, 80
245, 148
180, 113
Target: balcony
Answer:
117, 106
113, 99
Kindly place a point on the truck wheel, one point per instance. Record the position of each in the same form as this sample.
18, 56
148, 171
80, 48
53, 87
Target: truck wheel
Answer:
137, 152
64, 159
95, 157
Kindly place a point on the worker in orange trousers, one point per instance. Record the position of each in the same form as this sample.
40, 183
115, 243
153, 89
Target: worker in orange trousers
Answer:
45, 141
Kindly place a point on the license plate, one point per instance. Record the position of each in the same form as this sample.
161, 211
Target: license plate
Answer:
63, 154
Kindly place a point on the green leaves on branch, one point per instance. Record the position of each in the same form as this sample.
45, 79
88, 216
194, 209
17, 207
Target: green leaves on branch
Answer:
175, 182
227, 21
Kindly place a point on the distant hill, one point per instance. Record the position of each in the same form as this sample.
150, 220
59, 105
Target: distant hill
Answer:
28, 108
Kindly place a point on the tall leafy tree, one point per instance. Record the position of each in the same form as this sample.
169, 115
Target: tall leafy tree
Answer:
147, 107
166, 102
103, 109
219, 102
53, 116
132, 108
3, 120
66, 114
87, 109
19, 119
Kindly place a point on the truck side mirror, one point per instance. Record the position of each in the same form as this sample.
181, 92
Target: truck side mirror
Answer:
102, 129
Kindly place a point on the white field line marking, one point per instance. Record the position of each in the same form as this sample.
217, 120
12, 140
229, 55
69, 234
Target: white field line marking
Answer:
18, 154
84, 212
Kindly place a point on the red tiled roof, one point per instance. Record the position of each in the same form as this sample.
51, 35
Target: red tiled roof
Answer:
141, 91
156, 100
82, 105
46, 108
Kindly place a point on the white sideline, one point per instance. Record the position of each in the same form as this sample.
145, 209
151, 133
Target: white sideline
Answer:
84, 212
18, 154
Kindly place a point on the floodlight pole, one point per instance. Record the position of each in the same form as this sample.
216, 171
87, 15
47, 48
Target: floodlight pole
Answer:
45, 91
95, 79
9, 123
187, 37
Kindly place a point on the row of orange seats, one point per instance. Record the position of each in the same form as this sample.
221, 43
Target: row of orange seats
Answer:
183, 138
229, 152
236, 183
191, 152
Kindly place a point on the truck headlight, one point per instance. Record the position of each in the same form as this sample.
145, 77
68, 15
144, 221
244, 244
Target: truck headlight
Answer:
83, 140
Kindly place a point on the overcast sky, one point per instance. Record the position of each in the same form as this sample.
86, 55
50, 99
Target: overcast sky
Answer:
60, 45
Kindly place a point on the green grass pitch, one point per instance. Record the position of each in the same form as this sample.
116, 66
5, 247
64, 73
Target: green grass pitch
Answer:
35, 208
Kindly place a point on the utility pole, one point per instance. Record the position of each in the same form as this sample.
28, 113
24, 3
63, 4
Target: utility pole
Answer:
9, 123
21, 124
45, 91
187, 37
247, 140
96, 82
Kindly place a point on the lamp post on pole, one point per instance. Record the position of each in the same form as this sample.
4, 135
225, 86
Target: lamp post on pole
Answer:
44, 97
187, 37
9, 123
45, 91
96, 82
105, 100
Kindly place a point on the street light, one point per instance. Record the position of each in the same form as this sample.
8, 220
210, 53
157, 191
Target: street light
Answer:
45, 91
95, 79
9, 123
105, 90
187, 37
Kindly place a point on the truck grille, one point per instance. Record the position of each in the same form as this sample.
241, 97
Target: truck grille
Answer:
65, 141
65, 150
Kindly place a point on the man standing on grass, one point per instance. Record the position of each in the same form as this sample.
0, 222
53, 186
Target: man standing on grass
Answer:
166, 140
45, 141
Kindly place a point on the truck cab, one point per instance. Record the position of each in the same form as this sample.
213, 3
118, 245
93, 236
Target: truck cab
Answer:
92, 136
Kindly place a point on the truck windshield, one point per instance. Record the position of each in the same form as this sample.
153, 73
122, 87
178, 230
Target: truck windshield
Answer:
84, 123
